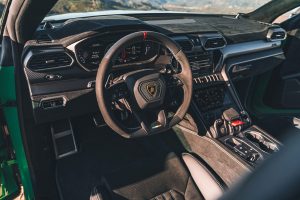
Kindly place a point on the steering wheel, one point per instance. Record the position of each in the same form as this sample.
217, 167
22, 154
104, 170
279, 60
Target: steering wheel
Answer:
143, 89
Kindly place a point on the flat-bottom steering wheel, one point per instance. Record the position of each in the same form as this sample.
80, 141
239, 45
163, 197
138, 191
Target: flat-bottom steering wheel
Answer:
145, 88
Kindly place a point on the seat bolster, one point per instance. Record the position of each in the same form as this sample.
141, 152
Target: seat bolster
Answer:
99, 193
206, 182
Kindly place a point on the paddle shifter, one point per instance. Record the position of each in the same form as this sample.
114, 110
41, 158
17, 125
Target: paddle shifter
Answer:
231, 123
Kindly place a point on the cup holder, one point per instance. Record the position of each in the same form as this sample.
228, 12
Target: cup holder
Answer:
264, 143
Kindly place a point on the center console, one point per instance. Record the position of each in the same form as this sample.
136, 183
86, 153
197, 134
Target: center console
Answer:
248, 141
212, 97
224, 119
252, 144
216, 105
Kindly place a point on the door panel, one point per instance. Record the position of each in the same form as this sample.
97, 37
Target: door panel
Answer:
8, 186
283, 86
11, 117
287, 92
259, 101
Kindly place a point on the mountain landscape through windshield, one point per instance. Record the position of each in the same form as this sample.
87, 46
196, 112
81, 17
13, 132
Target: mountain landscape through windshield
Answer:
199, 6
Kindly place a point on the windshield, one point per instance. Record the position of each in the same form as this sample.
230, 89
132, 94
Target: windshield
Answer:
198, 6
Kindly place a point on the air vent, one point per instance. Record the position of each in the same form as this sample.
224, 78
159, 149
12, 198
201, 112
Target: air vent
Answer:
53, 102
43, 38
47, 25
276, 34
212, 41
48, 60
185, 45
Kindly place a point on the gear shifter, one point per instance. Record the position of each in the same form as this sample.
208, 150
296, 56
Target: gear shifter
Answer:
218, 129
231, 123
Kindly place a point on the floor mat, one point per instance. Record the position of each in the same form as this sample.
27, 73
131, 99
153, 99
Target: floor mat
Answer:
101, 151
149, 178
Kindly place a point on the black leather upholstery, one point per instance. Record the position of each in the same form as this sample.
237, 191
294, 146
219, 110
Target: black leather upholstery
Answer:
161, 179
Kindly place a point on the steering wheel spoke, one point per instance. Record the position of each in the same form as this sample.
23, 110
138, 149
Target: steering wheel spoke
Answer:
162, 118
117, 88
179, 78
112, 83
151, 121
173, 80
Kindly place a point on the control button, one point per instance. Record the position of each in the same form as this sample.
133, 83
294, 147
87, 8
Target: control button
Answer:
237, 123
209, 78
52, 77
53, 102
91, 84
114, 96
199, 80
206, 79
253, 157
213, 78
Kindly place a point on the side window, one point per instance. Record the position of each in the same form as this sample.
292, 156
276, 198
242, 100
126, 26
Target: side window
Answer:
287, 15
2, 6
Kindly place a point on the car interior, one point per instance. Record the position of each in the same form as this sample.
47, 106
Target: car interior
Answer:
151, 105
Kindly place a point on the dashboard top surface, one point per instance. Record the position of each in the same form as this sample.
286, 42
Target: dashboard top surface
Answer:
82, 42
234, 29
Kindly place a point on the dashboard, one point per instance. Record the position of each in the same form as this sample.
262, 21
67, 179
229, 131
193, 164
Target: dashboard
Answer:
60, 63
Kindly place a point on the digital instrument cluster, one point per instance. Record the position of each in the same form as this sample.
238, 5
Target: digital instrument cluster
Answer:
90, 52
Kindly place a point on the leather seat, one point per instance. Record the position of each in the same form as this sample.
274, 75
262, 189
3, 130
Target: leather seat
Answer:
205, 181
156, 180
